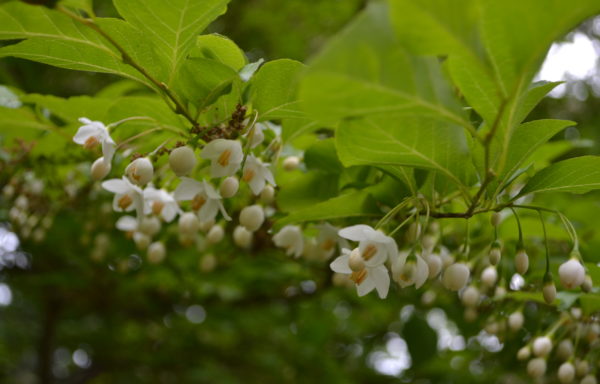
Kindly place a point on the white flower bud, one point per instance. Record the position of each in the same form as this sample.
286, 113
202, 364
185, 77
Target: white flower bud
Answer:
495, 219
495, 255
156, 252
456, 276
536, 368
141, 240
188, 223
267, 195
428, 298
582, 368
150, 225
566, 373
589, 379
22, 202
229, 187
434, 263
140, 171
447, 258
587, 284
564, 350
252, 217
521, 262
492, 328
356, 261
291, 163
571, 273
208, 263
515, 321
549, 292
242, 237
182, 160
470, 315
489, 276
470, 296
499, 291
205, 226
428, 243
524, 353
542, 346
100, 169
215, 234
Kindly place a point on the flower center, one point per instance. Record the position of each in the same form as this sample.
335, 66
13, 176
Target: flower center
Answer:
359, 277
369, 251
198, 202
157, 207
125, 201
408, 272
91, 142
328, 244
248, 175
223, 159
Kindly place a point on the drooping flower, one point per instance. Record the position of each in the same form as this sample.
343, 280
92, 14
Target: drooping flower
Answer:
409, 269
226, 156
328, 238
366, 279
571, 273
140, 171
206, 201
128, 197
257, 135
182, 160
161, 203
257, 174
290, 238
127, 224
93, 133
374, 246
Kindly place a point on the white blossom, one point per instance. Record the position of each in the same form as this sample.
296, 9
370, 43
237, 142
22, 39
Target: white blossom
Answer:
93, 133
161, 203
328, 238
226, 156
366, 279
409, 269
182, 160
571, 273
290, 238
374, 246
128, 197
257, 174
206, 201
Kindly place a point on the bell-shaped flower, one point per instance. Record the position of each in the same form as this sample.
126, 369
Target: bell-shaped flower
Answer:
128, 197
408, 269
93, 133
160, 203
374, 246
290, 238
225, 155
367, 278
258, 135
257, 174
206, 201
571, 273
328, 238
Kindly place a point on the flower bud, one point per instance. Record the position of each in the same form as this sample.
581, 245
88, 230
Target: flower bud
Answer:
542, 346
434, 263
150, 225
205, 226
140, 171
208, 262
495, 253
515, 321
252, 217
428, 243
413, 232
456, 276
495, 219
564, 350
521, 262
536, 368
141, 240
549, 289
356, 261
182, 160
571, 273
587, 284
188, 223
291, 163
524, 353
470, 314
229, 187
492, 328
267, 195
428, 298
582, 368
156, 252
566, 373
215, 234
22, 202
100, 169
470, 296
589, 379
242, 237
489, 276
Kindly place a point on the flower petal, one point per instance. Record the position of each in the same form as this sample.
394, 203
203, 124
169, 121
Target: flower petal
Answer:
381, 278
355, 232
187, 189
116, 186
340, 265
366, 286
422, 272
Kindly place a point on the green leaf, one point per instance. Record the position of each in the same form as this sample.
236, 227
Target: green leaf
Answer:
365, 71
590, 303
294, 128
219, 48
273, 90
349, 205
172, 26
54, 38
322, 156
577, 175
405, 141
84, 5
305, 189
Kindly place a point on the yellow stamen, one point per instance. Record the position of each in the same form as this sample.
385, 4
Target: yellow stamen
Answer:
359, 277
248, 175
223, 160
124, 202
157, 207
91, 142
369, 251
198, 202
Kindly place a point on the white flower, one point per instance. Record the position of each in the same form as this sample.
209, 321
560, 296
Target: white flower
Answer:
329, 238
542, 346
571, 273
225, 155
257, 174
182, 160
409, 269
93, 133
290, 238
456, 276
206, 201
374, 246
161, 203
127, 196
127, 224
140, 171
536, 367
257, 136
367, 279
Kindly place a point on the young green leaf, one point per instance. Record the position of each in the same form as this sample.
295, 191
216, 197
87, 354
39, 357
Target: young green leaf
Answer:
577, 175
219, 48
